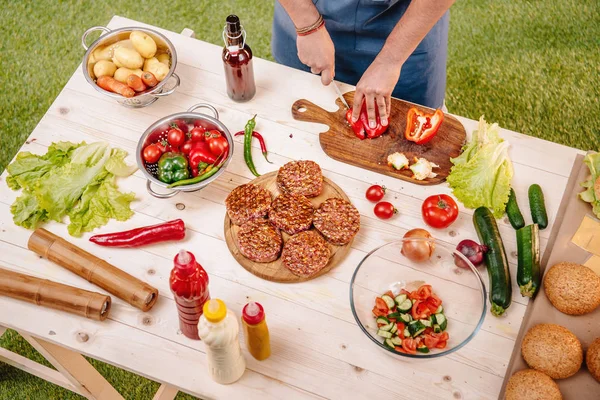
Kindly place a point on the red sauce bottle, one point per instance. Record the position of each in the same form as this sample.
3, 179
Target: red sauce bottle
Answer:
189, 284
237, 60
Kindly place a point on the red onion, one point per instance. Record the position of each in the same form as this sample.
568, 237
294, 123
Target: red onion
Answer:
472, 250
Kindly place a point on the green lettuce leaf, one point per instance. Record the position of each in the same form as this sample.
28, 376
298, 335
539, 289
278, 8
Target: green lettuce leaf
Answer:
481, 175
27, 212
592, 160
117, 166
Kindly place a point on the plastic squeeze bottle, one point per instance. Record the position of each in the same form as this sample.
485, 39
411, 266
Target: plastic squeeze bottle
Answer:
189, 284
219, 330
256, 331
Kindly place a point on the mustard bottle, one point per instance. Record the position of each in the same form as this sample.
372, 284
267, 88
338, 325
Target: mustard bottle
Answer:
256, 331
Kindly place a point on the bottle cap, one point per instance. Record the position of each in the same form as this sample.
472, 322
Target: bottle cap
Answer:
214, 310
253, 313
233, 24
183, 257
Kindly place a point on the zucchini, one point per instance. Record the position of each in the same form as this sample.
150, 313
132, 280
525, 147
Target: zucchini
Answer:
512, 210
400, 299
422, 348
405, 306
436, 328
416, 328
440, 319
384, 334
389, 343
396, 341
528, 268
388, 301
537, 206
495, 259
382, 320
406, 318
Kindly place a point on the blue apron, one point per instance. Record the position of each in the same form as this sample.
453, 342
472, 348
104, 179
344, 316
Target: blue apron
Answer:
359, 29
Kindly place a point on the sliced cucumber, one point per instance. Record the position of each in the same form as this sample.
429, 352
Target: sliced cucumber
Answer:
384, 334
422, 348
382, 320
436, 328
400, 299
389, 301
394, 315
439, 310
394, 329
426, 322
387, 327
416, 328
405, 306
441, 320
396, 340
389, 343
406, 318
406, 332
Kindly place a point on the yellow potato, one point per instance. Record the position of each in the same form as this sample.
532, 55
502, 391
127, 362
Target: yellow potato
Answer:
128, 58
104, 68
149, 62
143, 44
159, 70
107, 52
164, 58
122, 73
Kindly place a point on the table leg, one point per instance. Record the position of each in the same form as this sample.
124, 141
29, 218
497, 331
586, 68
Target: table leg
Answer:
165, 392
2, 330
75, 368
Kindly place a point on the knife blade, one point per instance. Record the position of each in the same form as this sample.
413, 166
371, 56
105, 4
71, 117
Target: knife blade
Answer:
340, 95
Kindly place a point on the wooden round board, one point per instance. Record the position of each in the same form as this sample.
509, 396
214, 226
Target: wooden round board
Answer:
275, 271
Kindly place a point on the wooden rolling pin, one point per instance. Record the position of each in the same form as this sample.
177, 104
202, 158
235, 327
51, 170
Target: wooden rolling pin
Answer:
97, 271
50, 294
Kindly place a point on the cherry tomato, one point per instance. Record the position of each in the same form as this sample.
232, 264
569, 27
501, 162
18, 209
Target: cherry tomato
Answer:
218, 145
384, 210
409, 345
152, 153
439, 211
186, 147
181, 125
213, 133
175, 137
197, 134
375, 193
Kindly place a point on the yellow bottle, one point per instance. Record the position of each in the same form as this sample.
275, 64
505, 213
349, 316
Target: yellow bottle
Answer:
256, 331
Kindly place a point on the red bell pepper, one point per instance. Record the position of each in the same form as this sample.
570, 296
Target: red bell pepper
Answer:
361, 127
421, 127
200, 153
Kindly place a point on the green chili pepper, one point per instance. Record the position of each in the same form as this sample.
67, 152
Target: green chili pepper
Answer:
248, 129
196, 179
172, 167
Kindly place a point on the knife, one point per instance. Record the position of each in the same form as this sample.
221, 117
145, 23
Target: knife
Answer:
340, 95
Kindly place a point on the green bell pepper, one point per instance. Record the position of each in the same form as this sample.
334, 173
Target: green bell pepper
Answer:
172, 167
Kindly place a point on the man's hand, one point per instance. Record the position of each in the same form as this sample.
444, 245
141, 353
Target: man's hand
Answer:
316, 50
375, 88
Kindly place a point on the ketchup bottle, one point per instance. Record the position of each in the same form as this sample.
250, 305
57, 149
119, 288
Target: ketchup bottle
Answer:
189, 284
237, 60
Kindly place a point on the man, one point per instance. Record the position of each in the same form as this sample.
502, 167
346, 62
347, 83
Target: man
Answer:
384, 47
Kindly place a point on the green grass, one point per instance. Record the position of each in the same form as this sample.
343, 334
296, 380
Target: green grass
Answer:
532, 66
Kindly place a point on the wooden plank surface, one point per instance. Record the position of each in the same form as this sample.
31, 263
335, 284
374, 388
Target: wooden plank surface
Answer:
340, 143
318, 351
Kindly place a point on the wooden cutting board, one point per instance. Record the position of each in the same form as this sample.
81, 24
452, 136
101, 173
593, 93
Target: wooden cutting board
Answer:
340, 143
275, 271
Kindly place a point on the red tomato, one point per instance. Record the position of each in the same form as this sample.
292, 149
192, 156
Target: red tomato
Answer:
389, 293
165, 147
380, 304
433, 303
431, 341
181, 125
375, 193
197, 134
409, 345
422, 293
384, 210
213, 133
404, 291
379, 313
399, 349
420, 311
175, 137
439, 211
444, 336
152, 153
441, 344
400, 326
218, 145
186, 147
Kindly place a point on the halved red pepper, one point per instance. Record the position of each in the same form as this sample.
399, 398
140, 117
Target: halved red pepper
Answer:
361, 127
421, 127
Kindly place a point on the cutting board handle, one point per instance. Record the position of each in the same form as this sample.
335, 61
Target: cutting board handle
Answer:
304, 110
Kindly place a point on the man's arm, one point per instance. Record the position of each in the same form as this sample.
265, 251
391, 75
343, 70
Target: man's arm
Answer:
315, 50
378, 82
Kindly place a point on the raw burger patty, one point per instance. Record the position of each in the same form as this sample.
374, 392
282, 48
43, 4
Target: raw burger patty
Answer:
247, 202
292, 213
338, 220
259, 241
305, 253
301, 177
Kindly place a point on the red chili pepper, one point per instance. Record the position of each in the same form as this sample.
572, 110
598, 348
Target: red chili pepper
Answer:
261, 140
361, 127
421, 127
171, 230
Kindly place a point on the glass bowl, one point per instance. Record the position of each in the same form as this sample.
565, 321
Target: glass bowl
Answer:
461, 290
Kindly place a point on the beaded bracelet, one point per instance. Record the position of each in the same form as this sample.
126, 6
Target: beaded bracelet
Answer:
312, 28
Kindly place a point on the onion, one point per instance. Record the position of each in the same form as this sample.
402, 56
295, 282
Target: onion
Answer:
417, 250
472, 250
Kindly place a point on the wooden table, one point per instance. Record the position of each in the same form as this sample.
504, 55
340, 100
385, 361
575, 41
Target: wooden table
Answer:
318, 351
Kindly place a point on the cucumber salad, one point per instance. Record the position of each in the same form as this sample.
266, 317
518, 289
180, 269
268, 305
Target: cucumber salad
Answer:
411, 322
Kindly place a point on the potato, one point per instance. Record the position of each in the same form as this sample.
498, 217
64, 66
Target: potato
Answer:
164, 58
149, 62
143, 44
159, 70
122, 73
104, 68
107, 52
128, 58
